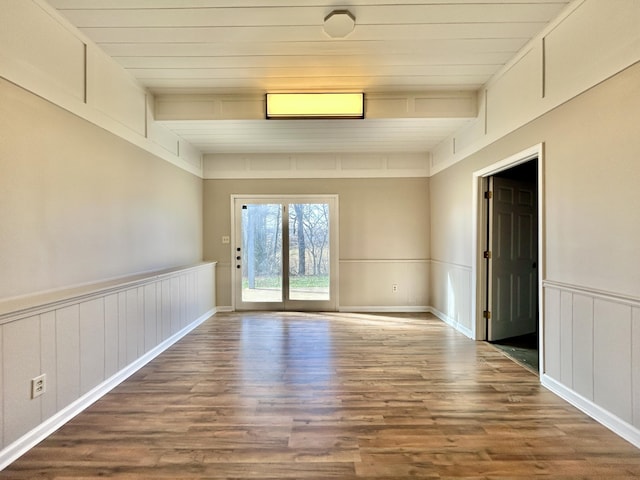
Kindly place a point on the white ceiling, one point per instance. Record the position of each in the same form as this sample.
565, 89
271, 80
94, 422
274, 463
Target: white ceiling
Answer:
313, 136
242, 47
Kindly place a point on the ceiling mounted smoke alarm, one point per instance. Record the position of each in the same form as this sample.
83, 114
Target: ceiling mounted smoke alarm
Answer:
339, 23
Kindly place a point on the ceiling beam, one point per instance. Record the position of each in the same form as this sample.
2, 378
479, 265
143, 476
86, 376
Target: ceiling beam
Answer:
434, 104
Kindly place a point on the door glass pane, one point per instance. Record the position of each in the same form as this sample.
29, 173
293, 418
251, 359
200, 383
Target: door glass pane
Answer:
262, 253
309, 251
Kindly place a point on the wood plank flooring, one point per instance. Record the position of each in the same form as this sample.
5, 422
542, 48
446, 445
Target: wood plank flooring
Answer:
330, 396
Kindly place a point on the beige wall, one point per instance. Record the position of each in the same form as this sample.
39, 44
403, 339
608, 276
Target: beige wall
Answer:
384, 234
78, 204
592, 253
592, 147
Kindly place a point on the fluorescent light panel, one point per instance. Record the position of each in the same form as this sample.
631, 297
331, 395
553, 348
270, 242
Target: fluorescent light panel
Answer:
315, 105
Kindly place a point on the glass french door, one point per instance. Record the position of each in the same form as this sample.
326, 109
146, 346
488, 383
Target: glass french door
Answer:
284, 252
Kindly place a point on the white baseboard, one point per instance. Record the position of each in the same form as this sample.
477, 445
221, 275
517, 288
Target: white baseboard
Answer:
466, 331
362, 309
18, 448
385, 309
612, 422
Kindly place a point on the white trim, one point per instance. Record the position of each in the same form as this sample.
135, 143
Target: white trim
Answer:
511, 161
451, 322
386, 260
612, 422
15, 308
592, 292
225, 308
314, 165
451, 264
29, 440
385, 309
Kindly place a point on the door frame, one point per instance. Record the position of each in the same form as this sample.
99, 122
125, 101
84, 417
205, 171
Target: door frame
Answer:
333, 237
479, 240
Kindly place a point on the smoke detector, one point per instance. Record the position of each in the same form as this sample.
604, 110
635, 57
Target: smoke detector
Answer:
339, 23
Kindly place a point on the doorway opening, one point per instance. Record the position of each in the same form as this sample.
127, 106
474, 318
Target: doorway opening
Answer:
285, 252
508, 257
512, 325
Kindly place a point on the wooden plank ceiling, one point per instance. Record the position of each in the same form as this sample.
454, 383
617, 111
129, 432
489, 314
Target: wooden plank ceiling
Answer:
250, 47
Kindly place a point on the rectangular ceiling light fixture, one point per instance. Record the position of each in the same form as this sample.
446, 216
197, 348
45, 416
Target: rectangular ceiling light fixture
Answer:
315, 105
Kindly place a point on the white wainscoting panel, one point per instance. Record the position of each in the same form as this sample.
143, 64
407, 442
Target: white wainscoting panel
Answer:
122, 329
67, 354
612, 358
20, 413
635, 366
1, 384
87, 340
132, 319
552, 338
150, 314
111, 335
47, 361
592, 340
451, 295
582, 348
92, 355
566, 338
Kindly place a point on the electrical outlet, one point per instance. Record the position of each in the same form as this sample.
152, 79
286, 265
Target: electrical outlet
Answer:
394, 288
38, 385
226, 239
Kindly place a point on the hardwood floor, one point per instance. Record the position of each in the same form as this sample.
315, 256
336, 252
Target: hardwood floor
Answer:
322, 396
